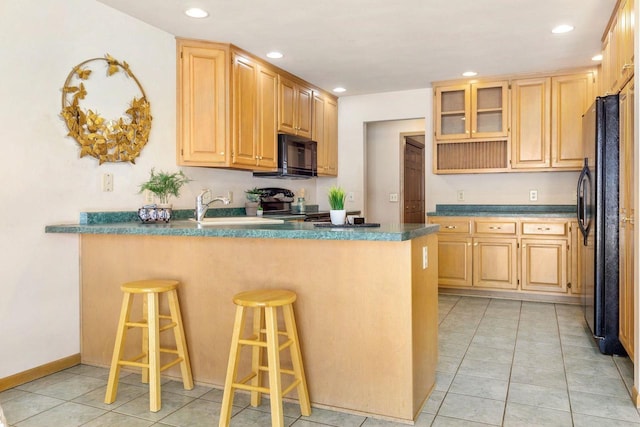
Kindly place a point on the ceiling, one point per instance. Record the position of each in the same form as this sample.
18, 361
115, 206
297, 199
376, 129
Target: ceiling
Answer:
370, 46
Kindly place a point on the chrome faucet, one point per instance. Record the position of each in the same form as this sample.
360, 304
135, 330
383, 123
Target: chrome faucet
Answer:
201, 206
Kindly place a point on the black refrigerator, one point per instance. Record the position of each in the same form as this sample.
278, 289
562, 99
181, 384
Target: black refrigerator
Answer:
597, 206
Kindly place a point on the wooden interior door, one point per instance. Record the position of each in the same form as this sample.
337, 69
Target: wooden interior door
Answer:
413, 178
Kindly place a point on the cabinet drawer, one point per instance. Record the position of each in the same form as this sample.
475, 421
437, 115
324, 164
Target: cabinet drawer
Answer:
545, 228
454, 226
495, 227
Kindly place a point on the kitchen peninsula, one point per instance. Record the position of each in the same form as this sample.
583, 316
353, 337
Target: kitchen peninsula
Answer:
366, 308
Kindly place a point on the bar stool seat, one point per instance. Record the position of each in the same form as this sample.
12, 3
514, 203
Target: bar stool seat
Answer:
152, 323
265, 324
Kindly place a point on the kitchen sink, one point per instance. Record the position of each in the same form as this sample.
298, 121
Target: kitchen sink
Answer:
238, 220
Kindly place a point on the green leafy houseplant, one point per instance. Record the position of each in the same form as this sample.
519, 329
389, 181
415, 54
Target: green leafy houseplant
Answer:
164, 184
337, 197
253, 195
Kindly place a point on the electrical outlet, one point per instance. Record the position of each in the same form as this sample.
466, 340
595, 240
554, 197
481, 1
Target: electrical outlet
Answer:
533, 195
393, 197
107, 182
460, 195
351, 197
425, 257
148, 197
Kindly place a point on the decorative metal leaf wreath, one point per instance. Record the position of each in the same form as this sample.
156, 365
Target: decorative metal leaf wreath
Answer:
118, 140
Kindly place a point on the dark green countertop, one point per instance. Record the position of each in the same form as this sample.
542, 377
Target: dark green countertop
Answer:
544, 211
125, 223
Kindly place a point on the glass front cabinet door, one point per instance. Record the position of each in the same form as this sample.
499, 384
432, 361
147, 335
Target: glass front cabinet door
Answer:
471, 111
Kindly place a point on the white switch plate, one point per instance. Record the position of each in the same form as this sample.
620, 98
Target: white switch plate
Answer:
393, 197
460, 195
533, 195
107, 182
351, 197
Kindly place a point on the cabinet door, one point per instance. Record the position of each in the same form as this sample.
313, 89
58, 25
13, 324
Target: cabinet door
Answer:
544, 265
267, 138
489, 108
245, 74
304, 107
331, 136
626, 39
325, 133
627, 214
531, 123
495, 263
453, 112
454, 260
286, 106
203, 119
571, 96
294, 108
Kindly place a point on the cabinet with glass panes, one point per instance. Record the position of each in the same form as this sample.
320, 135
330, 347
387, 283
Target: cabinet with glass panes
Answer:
471, 111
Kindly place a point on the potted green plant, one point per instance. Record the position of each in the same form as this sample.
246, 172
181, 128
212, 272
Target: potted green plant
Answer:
337, 212
164, 185
253, 196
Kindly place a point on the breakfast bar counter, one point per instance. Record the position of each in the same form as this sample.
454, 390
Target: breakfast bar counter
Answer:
366, 308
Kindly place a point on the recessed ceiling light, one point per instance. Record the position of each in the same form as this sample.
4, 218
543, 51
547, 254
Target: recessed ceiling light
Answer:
597, 58
560, 29
274, 55
196, 12
339, 89
469, 73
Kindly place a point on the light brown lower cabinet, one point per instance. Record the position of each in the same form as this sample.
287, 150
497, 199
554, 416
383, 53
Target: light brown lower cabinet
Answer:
544, 265
494, 262
514, 254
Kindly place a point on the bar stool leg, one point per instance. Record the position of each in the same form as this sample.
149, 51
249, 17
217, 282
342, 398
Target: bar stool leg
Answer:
145, 341
232, 369
181, 342
114, 372
154, 352
256, 356
273, 358
296, 359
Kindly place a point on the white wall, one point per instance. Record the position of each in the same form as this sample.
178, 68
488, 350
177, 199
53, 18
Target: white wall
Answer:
382, 152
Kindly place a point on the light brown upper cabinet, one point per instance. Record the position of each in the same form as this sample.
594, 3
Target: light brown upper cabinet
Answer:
618, 48
522, 123
325, 132
571, 95
294, 107
231, 106
203, 122
471, 111
546, 121
531, 123
254, 115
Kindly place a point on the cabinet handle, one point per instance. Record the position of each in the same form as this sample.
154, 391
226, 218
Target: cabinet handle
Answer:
544, 228
450, 226
475, 244
495, 228
627, 66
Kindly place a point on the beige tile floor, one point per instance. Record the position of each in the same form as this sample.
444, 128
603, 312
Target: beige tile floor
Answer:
501, 362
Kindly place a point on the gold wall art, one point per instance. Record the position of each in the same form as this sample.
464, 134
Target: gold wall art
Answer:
119, 140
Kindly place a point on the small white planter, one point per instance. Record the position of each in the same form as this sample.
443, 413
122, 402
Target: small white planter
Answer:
338, 216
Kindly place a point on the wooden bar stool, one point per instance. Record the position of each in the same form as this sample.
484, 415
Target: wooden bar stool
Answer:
149, 359
265, 304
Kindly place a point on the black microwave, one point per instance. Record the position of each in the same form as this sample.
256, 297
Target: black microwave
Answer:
297, 158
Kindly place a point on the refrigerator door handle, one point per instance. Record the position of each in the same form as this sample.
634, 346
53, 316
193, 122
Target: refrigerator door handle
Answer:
583, 191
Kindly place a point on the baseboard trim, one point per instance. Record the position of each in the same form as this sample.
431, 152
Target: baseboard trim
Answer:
635, 397
39, 372
513, 295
